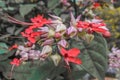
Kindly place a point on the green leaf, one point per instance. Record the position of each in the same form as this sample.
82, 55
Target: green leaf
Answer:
3, 48
11, 30
47, 71
18, 31
94, 56
57, 11
6, 55
52, 3
24, 71
35, 70
5, 36
25, 9
2, 4
78, 72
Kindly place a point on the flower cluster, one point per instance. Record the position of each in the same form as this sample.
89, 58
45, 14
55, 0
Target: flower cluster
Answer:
94, 26
114, 58
30, 32
53, 38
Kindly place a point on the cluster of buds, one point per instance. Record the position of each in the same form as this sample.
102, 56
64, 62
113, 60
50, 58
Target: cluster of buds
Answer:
30, 53
52, 35
114, 58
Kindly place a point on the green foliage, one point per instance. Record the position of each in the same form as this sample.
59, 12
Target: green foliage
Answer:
111, 17
24, 71
3, 48
4, 53
94, 56
25, 9
52, 3
47, 71
2, 4
31, 70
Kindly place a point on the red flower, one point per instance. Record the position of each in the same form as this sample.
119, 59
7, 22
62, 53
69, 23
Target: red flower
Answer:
30, 33
15, 62
96, 5
39, 21
70, 55
28, 30
13, 47
32, 40
94, 27
31, 36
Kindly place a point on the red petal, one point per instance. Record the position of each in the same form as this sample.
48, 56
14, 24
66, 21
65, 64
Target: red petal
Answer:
17, 64
28, 31
73, 52
63, 51
106, 34
23, 34
74, 60
96, 5
32, 40
13, 47
99, 30
12, 63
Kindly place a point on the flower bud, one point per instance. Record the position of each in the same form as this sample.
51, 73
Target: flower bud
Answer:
47, 42
57, 35
61, 28
24, 55
51, 33
71, 31
63, 43
46, 50
56, 59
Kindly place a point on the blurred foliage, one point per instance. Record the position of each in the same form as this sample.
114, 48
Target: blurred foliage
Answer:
111, 17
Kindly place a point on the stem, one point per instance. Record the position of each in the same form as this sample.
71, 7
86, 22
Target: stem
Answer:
46, 3
75, 7
11, 71
56, 49
11, 19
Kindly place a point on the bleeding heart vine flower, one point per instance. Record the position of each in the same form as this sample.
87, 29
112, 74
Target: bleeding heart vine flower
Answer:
15, 62
91, 27
53, 36
71, 55
39, 21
